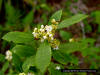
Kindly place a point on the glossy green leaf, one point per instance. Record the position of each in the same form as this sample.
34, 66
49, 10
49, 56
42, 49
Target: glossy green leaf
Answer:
43, 57
70, 21
23, 50
18, 37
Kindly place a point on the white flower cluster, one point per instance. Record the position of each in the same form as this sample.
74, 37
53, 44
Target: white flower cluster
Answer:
8, 55
47, 33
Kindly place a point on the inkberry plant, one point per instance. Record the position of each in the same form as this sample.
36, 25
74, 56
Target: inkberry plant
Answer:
39, 53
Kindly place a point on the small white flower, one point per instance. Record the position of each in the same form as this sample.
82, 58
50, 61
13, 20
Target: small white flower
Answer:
42, 26
35, 34
8, 55
35, 28
8, 52
42, 30
44, 37
58, 68
56, 48
50, 35
48, 28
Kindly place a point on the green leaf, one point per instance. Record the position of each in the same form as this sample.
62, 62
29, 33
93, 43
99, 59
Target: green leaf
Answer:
91, 51
74, 60
2, 58
30, 61
97, 17
23, 50
5, 66
18, 37
61, 57
65, 35
43, 57
12, 14
28, 18
89, 41
70, 21
57, 16
16, 61
72, 47
64, 58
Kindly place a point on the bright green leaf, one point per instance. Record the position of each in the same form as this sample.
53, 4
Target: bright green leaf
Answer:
18, 37
70, 21
43, 57
23, 50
